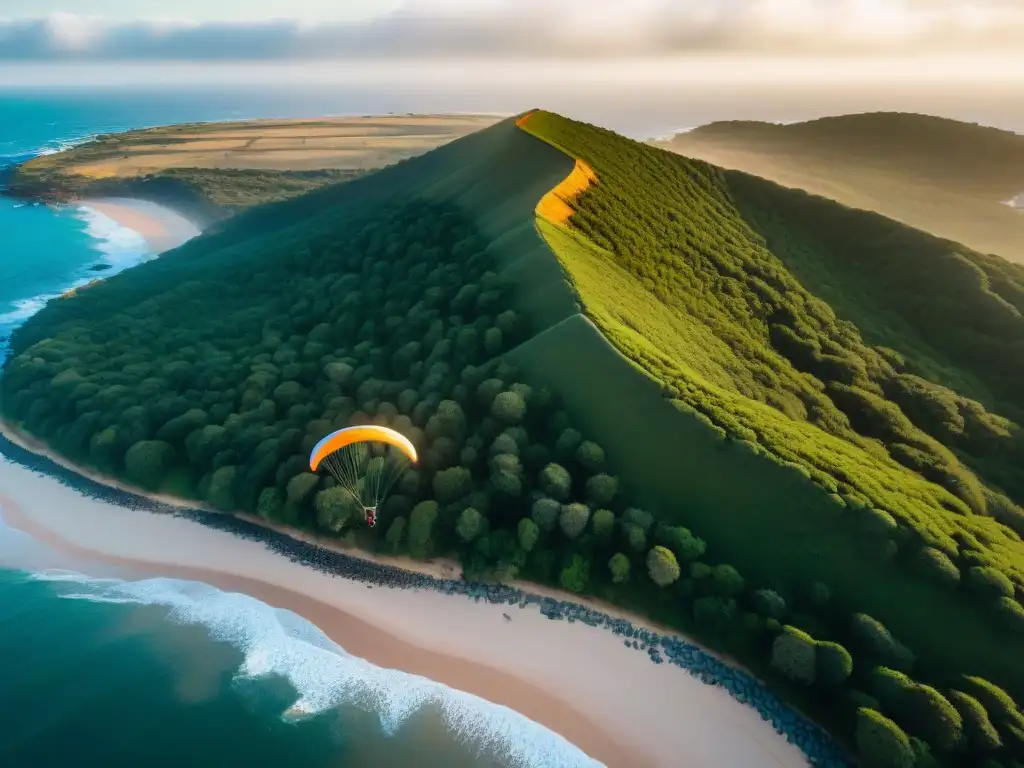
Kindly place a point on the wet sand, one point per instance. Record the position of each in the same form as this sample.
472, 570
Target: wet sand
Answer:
162, 228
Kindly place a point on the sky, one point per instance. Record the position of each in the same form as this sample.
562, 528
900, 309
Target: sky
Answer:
969, 40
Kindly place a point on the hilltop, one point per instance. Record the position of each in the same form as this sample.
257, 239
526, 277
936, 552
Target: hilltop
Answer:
694, 393
211, 170
956, 180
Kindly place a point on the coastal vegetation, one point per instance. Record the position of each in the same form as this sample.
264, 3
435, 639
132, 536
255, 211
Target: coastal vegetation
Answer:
952, 179
683, 414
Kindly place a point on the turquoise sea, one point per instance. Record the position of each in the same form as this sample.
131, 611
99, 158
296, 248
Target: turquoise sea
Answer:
127, 670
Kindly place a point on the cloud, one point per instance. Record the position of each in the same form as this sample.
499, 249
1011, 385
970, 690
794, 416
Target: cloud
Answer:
552, 29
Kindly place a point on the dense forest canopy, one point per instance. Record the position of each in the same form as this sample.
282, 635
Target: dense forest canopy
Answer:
839, 512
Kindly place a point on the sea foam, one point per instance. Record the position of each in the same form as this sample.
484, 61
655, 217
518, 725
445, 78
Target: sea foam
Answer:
277, 642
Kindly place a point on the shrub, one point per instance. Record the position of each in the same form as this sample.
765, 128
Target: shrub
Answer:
638, 517
880, 742
819, 595
989, 582
889, 686
528, 533
714, 613
726, 581
451, 484
469, 524
794, 655
635, 537
601, 489
508, 407
147, 461
301, 487
590, 456
488, 390
770, 604
619, 566
602, 522
396, 531
421, 527
220, 493
662, 566
1011, 613
575, 574
981, 735
936, 565
573, 519
686, 546
834, 663
545, 513
333, 506
270, 502
555, 481
871, 636
929, 714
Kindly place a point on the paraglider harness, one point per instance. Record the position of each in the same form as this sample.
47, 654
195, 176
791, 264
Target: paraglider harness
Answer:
371, 516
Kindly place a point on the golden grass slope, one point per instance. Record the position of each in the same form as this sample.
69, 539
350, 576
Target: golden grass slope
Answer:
347, 143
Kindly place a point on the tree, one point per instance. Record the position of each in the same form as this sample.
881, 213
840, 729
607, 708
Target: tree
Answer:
221, 491
726, 581
147, 461
270, 502
981, 735
469, 524
602, 522
567, 443
573, 519
301, 487
590, 456
930, 715
555, 481
834, 663
871, 636
334, 507
619, 566
989, 582
575, 574
686, 546
508, 407
642, 519
936, 565
452, 484
395, 533
880, 742
662, 566
421, 527
794, 654
528, 533
545, 513
601, 489
635, 537
770, 604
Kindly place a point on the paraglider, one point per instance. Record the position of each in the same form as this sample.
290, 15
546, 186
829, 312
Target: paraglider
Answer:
366, 460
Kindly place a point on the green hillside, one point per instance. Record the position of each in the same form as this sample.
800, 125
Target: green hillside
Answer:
949, 178
682, 411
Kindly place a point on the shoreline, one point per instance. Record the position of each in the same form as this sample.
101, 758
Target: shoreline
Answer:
161, 226
668, 719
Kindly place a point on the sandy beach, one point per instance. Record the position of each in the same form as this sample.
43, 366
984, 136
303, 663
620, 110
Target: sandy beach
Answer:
162, 228
634, 713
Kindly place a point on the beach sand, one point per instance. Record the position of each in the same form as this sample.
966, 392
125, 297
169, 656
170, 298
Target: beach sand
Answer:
575, 680
162, 228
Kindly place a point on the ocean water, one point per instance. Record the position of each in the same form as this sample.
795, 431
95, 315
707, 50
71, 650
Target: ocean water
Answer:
133, 671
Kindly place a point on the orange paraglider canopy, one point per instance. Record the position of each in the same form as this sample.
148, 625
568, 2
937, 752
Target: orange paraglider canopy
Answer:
360, 434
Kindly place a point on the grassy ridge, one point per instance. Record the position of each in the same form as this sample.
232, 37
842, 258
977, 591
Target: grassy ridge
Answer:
717, 360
